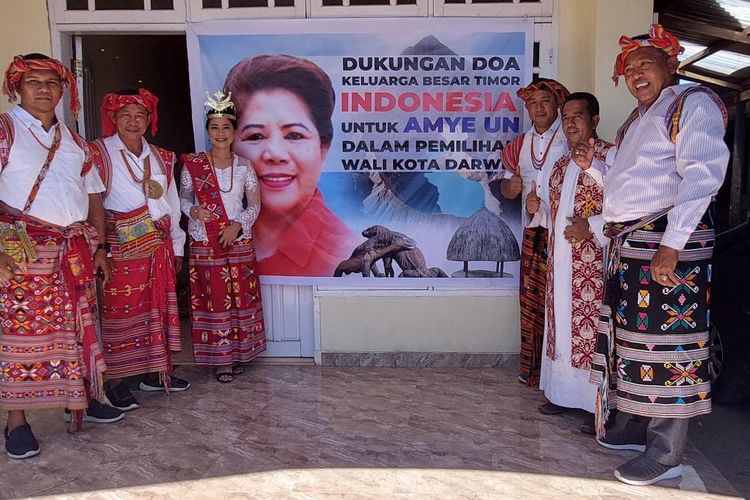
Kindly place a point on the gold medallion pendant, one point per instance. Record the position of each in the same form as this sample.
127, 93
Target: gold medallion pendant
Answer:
154, 189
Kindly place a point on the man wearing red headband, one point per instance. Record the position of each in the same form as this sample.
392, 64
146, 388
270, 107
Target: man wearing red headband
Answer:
653, 336
48, 256
140, 324
527, 160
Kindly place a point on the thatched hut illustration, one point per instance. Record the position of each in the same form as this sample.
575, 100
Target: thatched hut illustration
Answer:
483, 237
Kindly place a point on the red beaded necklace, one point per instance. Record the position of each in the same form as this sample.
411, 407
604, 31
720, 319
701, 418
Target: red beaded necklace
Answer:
538, 164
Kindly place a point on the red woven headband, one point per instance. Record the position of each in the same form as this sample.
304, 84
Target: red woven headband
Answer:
554, 87
20, 66
658, 38
115, 102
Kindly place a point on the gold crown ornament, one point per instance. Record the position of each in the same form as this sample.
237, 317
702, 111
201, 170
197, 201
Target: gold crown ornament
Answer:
219, 106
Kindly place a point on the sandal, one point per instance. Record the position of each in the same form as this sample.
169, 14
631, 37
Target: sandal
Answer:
224, 377
238, 370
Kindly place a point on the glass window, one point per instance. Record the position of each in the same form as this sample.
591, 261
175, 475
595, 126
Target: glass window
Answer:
248, 3
118, 5
77, 5
212, 4
162, 4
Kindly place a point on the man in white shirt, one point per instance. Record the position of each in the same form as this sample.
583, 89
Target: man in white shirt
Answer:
653, 336
49, 353
572, 198
527, 159
140, 323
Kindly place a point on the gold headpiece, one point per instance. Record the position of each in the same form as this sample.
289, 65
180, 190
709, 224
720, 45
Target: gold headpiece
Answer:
220, 106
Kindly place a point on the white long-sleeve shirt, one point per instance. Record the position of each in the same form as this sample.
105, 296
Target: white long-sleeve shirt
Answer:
63, 195
651, 174
126, 194
552, 142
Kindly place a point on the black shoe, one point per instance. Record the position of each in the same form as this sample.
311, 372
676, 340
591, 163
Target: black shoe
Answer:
121, 398
21, 443
588, 426
615, 440
644, 470
154, 384
523, 378
99, 413
550, 408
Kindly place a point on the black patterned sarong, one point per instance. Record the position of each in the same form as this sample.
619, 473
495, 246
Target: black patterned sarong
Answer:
651, 356
533, 284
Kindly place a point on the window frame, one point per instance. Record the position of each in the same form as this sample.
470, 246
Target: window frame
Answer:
59, 14
196, 12
319, 11
193, 11
543, 8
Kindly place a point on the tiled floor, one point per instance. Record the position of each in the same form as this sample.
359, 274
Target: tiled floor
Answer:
307, 432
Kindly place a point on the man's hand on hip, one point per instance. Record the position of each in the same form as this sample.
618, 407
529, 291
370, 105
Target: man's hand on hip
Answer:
663, 264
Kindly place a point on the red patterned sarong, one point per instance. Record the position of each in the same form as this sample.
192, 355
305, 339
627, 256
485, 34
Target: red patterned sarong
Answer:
48, 344
531, 296
140, 323
226, 304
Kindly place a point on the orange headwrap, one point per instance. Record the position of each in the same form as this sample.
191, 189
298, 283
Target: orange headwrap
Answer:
115, 102
20, 66
554, 87
658, 38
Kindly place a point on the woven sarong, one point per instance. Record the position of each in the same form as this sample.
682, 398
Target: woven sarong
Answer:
48, 344
140, 323
533, 283
226, 304
652, 342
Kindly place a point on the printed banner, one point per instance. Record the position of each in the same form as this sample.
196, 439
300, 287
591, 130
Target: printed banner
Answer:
376, 142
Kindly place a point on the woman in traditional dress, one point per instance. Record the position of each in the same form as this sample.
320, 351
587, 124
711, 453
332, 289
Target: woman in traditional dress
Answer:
219, 194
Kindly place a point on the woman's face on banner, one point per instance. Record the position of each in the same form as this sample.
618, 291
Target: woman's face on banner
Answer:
276, 133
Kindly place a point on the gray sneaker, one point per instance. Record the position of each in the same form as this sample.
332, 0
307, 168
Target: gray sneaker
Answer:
644, 470
621, 439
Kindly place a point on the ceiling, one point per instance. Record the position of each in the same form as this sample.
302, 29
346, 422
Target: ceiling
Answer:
716, 37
